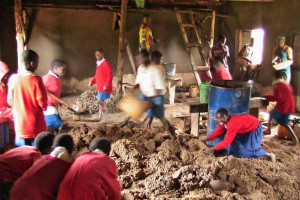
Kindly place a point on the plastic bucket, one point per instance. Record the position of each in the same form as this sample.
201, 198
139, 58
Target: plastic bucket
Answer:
204, 92
170, 69
232, 95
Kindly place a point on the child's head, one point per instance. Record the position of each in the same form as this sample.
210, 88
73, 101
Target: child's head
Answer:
99, 54
222, 39
156, 57
64, 140
222, 116
144, 57
102, 144
278, 74
43, 142
58, 67
30, 59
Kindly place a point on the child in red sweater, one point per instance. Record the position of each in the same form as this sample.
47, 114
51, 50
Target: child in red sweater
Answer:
15, 162
53, 85
92, 176
28, 98
103, 79
244, 134
285, 104
42, 180
5, 110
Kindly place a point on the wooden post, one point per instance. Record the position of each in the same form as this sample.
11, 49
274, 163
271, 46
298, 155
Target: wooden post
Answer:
20, 30
212, 32
121, 47
129, 53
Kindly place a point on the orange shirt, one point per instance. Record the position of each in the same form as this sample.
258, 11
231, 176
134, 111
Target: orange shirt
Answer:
28, 99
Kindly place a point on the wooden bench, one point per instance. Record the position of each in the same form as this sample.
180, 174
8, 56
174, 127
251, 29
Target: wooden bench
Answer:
196, 108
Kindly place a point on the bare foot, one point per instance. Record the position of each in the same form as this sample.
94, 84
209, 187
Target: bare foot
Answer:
272, 157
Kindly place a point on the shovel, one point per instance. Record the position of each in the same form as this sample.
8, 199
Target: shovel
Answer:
65, 104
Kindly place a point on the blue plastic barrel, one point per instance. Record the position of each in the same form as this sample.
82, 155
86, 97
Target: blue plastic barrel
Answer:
232, 95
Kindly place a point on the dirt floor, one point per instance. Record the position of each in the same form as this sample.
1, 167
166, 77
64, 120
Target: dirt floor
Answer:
152, 166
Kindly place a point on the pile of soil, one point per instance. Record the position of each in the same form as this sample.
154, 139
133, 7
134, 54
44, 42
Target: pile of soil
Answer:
89, 102
153, 166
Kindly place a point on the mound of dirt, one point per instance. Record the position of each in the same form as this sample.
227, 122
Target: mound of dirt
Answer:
152, 166
89, 102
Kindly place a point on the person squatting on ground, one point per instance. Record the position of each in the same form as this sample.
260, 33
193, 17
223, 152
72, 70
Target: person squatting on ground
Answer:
15, 162
152, 85
283, 53
42, 180
5, 111
103, 79
28, 98
92, 176
53, 85
243, 137
283, 94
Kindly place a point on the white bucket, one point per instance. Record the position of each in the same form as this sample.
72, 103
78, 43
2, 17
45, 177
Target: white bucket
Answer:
170, 69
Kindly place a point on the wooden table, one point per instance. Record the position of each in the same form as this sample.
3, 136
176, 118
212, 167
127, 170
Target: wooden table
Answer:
196, 108
172, 83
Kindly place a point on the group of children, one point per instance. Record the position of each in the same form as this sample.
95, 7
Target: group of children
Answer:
47, 171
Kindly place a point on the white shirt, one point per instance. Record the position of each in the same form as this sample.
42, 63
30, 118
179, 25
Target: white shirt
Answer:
51, 110
150, 79
99, 62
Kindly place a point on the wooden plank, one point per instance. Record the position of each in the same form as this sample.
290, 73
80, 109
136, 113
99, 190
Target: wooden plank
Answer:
195, 124
201, 51
201, 68
186, 41
198, 107
129, 53
20, 31
121, 47
188, 25
212, 30
258, 102
194, 45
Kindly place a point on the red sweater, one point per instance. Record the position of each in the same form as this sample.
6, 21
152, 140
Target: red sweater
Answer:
16, 161
237, 124
41, 181
284, 96
103, 77
93, 176
5, 110
28, 100
53, 85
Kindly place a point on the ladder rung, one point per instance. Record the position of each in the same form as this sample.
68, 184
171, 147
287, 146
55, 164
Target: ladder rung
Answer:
194, 45
201, 68
188, 25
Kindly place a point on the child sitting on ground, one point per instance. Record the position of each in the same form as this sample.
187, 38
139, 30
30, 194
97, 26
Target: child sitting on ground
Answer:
92, 176
42, 180
15, 162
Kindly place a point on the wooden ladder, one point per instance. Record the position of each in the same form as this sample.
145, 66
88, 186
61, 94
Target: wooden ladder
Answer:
189, 45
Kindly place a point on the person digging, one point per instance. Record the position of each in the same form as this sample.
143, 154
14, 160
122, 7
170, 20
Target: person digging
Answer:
243, 137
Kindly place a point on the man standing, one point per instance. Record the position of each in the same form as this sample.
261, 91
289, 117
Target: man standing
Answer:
218, 60
283, 53
146, 39
103, 79
245, 60
53, 84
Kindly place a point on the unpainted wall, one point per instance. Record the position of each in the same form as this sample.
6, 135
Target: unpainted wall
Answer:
74, 35
281, 17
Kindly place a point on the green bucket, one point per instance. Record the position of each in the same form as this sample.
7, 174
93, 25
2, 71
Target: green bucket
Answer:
204, 92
